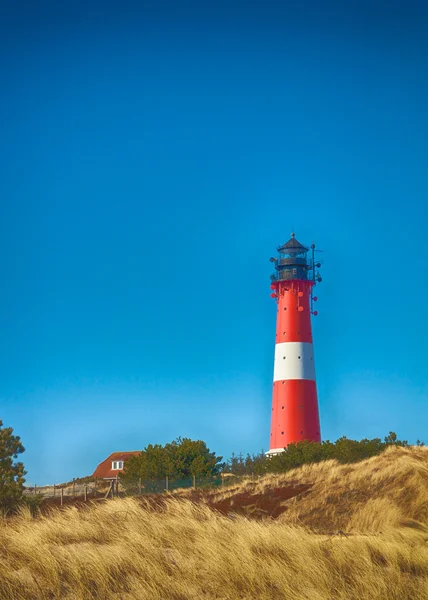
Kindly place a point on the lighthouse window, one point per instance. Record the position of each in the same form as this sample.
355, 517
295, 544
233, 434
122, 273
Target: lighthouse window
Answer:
299, 357
282, 407
282, 433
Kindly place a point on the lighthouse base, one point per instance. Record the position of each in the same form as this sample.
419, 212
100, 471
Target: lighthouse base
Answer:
275, 451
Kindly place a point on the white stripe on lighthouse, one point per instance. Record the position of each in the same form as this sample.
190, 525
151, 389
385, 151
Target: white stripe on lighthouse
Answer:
294, 360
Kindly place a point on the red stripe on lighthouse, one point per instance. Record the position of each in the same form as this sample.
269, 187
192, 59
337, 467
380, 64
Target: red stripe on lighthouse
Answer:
294, 413
293, 319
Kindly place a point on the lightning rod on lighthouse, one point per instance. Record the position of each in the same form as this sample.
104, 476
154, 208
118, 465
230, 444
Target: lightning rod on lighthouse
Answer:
295, 415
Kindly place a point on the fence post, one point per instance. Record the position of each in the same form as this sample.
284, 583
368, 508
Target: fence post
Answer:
62, 496
194, 481
139, 485
109, 490
222, 478
54, 491
86, 493
74, 488
166, 483
35, 488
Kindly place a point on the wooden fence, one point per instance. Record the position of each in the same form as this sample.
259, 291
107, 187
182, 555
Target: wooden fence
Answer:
85, 491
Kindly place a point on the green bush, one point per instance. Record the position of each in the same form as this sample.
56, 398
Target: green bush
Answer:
33, 502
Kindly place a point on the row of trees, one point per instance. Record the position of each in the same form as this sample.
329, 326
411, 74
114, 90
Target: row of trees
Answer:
343, 450
185, 458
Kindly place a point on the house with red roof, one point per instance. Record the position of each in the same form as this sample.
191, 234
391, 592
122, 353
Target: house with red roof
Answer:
113, 465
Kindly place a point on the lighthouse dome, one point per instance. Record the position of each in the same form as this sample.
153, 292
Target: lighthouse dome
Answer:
293, 247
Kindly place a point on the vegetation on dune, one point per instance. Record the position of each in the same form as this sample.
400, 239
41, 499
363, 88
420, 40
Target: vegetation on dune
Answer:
179, 459
344, 450
177, 549
184, 458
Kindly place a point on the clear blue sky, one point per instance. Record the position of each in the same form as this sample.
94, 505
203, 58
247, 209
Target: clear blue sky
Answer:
152, 159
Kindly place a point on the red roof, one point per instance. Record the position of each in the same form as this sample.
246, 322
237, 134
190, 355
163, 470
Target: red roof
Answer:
104, 469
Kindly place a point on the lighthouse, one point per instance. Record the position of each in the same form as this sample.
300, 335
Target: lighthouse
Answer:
295, 415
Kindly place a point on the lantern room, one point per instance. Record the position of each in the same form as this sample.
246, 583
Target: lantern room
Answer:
292, 262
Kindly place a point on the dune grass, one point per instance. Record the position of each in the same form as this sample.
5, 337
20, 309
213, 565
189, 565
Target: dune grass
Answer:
364, 497
129, 549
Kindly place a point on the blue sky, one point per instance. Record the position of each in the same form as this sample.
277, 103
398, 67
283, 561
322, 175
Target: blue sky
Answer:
152, 159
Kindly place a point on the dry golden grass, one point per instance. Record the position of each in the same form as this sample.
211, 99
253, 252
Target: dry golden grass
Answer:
384, 491
127, 549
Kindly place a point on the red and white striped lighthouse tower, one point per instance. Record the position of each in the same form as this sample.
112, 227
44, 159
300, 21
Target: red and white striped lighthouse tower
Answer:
295, 414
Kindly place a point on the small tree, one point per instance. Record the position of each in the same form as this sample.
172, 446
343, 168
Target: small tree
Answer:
11, 472
235, 465
392, 440
182, 458
192, 458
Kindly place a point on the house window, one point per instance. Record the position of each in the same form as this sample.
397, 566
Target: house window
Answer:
120, 464
117, 465
114, 466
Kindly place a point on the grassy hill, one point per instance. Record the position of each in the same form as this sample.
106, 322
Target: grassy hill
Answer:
384, 491
268, 539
